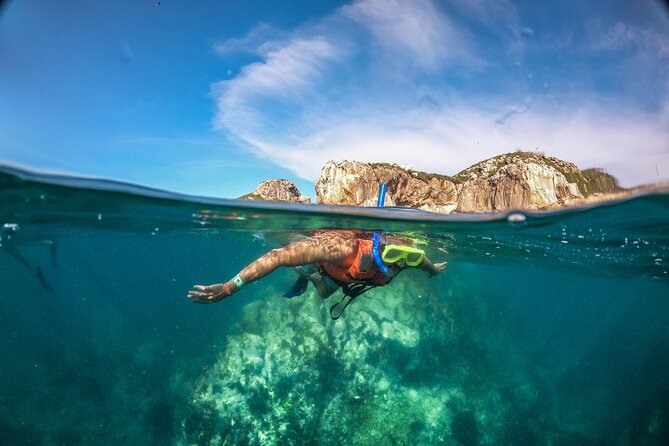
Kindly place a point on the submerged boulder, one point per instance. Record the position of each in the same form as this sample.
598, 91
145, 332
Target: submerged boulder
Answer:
391, 370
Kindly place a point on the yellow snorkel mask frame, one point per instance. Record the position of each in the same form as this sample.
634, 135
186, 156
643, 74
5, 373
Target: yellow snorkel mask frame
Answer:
394, 253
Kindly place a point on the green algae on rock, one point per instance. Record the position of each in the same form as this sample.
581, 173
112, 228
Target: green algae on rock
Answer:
392, 370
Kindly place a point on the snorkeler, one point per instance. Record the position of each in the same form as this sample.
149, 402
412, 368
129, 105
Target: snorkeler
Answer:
352, 260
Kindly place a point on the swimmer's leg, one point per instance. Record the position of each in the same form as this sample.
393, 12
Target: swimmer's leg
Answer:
300, 286
324, 285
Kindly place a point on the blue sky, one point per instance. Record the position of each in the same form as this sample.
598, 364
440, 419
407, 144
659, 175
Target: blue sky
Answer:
211, 98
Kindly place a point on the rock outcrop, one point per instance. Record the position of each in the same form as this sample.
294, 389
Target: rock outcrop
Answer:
355, 183
396, 368
277, 190
516, 181
512, 181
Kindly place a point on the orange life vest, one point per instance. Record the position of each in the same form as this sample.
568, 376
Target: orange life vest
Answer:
363, 269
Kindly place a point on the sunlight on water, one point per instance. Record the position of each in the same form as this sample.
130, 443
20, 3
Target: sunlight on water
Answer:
546, 328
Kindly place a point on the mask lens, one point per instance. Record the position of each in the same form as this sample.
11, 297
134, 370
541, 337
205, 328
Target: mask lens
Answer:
391, 255
414, 258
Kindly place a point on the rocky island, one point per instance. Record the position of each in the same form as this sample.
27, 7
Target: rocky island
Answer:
277, 190
519, 180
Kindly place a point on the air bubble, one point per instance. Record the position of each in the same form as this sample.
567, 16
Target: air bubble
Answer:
516, 217
10, 228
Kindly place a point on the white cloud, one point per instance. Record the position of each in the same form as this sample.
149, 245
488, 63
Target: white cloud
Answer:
621, 36
411, 31
253, 101
259, 40
394, 81
599, 133
629, 146
498, 16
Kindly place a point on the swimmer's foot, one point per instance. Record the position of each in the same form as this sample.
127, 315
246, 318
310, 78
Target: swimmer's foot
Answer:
299, 287
306, 273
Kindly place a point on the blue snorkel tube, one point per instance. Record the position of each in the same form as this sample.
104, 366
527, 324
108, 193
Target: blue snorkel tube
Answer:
375, 245
383, 187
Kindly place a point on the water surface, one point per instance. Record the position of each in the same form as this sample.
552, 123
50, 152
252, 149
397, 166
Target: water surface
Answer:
546, 328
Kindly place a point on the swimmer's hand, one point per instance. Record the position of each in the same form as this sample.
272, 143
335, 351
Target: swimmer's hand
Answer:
437, 268
209, 294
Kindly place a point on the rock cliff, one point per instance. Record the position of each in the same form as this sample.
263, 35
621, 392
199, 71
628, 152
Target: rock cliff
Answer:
511, 181
355, 183
277, 190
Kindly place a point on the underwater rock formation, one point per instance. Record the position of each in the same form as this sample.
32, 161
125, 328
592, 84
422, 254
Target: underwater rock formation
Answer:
394, 369
512, 181
277, 190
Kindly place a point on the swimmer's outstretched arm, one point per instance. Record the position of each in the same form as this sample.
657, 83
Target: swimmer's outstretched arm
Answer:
335, 246
432, 268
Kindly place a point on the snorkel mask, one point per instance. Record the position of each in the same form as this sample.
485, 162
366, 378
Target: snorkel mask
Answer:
396, 253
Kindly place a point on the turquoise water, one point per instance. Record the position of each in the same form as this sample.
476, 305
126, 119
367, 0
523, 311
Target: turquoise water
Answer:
544, 329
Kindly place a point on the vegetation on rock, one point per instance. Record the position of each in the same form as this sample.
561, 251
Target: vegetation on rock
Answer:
402, 366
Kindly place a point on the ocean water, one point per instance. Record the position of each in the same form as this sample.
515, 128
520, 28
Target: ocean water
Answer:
545, 328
